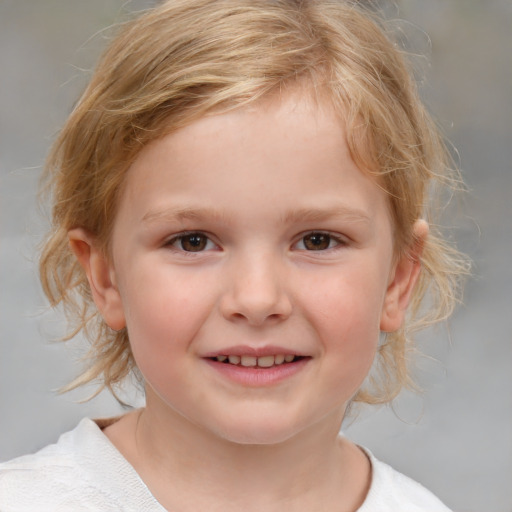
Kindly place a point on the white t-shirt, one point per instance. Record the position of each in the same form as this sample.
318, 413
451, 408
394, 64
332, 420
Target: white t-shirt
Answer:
83, 471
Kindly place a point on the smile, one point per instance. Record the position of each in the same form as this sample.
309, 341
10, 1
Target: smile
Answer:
257, 370
250, 361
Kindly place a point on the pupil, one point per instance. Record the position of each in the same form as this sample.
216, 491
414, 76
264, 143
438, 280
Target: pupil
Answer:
317, 241
193, 243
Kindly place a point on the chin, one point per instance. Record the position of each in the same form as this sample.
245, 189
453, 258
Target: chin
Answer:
263, 431
257, 438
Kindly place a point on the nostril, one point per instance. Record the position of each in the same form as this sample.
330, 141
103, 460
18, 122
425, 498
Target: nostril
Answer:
256, 302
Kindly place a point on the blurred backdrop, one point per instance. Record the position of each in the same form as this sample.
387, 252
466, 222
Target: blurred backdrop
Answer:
456, 438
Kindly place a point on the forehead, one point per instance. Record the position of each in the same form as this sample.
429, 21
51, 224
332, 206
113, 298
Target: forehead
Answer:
283, 124
280, 153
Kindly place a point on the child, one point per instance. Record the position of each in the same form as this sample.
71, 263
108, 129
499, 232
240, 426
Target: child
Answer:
239, 205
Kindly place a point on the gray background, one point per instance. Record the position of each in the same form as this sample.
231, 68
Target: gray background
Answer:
456, 438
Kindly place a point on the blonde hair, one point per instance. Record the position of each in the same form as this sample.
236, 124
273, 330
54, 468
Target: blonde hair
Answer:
188, 58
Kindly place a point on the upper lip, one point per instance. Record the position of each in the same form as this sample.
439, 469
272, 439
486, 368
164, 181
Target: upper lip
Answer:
247, 350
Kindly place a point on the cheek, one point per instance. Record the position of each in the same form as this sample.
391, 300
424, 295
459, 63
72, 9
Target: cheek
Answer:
345, 312
351, 350
163, 312
345, 303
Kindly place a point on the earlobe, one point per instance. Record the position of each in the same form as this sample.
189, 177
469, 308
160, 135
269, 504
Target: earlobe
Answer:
101, 277
403, 281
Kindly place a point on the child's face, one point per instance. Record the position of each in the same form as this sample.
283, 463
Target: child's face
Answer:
248, 234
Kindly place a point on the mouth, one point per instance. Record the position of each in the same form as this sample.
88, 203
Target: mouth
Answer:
250, 361
257, 367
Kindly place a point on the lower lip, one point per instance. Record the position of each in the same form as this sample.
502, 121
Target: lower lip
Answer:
258, 377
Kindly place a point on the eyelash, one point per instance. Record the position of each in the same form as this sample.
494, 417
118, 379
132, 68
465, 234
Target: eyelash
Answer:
339, 241
206, 240
183, 237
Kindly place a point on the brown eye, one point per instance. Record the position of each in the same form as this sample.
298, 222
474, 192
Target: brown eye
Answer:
317, 241
194, 242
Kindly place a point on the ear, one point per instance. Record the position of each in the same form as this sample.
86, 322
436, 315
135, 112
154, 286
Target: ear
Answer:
101, 277
403, 279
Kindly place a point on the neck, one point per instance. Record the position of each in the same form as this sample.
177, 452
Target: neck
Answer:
188, 468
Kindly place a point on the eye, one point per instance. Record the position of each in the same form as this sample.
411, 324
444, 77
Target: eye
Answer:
191, 242
318, 241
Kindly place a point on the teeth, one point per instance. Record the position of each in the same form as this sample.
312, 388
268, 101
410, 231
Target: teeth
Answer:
266, 361
279, 359
262, 362
248, 361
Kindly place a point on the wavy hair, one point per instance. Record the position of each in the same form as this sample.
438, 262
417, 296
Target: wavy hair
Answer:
189, 58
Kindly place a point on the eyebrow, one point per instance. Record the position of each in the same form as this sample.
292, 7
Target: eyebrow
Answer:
185, 213
339, 211
300, 215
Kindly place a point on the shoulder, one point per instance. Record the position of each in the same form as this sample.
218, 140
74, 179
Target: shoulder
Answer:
391, 491
81, 472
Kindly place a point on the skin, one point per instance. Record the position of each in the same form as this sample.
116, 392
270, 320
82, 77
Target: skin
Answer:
256, 185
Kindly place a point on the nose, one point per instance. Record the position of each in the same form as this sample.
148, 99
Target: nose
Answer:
256, 292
